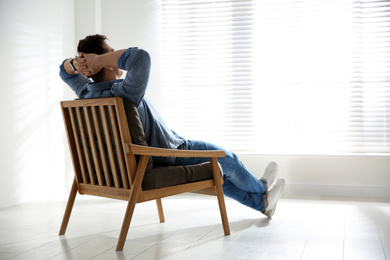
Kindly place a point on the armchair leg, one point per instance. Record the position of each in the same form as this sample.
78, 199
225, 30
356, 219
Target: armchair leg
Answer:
222, 209
126, 222
160, 210
68, 209
132, 201
221, 200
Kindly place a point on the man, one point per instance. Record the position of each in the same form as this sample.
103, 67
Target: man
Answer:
96, 73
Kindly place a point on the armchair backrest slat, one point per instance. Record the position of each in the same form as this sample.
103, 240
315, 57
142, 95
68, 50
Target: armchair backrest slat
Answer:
95, 137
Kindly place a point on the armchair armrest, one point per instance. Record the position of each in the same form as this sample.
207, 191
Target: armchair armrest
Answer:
153, 151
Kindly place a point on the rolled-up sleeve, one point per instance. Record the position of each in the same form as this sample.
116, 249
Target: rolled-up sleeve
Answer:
137, 64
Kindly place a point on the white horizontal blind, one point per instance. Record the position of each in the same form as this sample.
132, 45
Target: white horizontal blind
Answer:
279, 76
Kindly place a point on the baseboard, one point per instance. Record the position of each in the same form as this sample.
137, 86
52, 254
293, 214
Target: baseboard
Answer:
347, 191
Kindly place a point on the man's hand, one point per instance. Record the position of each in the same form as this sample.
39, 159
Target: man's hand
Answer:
88, 64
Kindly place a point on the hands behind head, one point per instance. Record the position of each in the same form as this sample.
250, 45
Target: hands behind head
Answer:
87, 64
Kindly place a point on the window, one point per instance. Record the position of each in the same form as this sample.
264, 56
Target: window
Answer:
279, 76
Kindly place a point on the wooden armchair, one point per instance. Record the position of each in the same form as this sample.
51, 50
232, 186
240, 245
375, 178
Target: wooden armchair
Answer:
108, 164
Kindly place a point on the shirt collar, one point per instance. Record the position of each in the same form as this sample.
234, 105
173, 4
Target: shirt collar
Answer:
96, 87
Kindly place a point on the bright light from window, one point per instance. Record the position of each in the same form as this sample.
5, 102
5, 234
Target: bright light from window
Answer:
279, 76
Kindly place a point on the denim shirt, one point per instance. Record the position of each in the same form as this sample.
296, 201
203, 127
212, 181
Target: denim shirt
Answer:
137, 64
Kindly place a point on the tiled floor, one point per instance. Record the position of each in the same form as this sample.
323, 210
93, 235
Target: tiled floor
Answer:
301, 229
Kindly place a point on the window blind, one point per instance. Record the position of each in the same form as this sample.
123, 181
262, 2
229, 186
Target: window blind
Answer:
279, 76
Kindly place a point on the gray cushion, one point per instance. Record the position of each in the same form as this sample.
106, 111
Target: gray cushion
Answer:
135, 127
174, 175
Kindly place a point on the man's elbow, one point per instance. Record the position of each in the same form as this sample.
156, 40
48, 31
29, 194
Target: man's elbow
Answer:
144, 56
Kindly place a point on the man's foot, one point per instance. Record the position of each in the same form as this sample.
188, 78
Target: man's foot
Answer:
270, 174
274, 194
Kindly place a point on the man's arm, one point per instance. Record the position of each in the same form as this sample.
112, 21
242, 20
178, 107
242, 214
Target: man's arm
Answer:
76, 81
133, 60
90, 64
137, 64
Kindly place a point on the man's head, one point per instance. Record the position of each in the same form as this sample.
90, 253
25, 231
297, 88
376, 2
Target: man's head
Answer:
96, 44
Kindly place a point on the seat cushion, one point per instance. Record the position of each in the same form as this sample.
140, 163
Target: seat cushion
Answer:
174, 175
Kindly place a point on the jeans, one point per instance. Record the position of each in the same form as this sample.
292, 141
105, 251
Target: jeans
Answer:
239, 183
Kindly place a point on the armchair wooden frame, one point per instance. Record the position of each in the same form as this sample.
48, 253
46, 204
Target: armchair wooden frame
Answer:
112, 171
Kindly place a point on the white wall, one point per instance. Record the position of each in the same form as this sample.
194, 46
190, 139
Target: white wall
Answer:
35, 36
328, 175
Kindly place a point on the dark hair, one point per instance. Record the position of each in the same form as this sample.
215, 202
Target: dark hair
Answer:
92, 44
